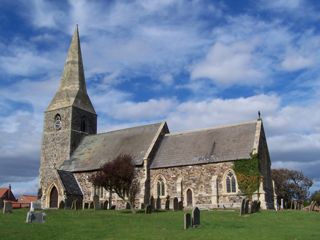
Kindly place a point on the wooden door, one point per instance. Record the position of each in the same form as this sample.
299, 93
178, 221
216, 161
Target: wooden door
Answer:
54, 198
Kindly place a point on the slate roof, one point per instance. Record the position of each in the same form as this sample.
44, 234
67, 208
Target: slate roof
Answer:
206, 146
95, 150
70, 183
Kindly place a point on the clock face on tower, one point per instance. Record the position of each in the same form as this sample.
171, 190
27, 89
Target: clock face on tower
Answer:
57, 122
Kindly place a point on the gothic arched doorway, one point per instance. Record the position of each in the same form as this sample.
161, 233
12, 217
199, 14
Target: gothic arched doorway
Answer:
189, 198
54, 198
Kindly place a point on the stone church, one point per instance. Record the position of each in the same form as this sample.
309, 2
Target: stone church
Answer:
194, 167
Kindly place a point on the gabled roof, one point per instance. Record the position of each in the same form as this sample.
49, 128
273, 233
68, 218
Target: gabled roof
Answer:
3, 191
206, 146
27, 199
69, 182
95, 150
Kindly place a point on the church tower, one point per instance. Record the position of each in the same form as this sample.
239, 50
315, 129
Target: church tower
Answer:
68, 118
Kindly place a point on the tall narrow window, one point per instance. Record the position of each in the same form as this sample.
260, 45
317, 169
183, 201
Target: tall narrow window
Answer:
160, 188
83, 126
231, 186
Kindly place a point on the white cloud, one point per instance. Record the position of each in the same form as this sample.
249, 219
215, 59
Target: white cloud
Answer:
295, 62
229, 64
166, 79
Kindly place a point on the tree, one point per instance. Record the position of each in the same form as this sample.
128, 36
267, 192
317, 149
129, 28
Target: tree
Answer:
316, 197
291, 184
119, 176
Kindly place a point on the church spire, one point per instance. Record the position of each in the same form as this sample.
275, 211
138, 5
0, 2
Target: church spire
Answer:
72, 90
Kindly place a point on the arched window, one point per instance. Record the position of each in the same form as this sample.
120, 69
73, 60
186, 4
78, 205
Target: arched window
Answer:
231, 186
160, 188
57, 122
83, 126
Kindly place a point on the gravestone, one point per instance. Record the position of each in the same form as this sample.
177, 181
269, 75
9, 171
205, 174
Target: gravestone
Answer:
7, 207
175, 204
180, 205
1, 203
91, 205
246, 207
196, 217
243, 202
113, 207
142, 206
127, 205
74, 205
187, 221
250, 207
258, 205
36, 217
148, 209
35, 206
167, 207
61, 205
105, 205
282, 206
158, 205
151, 202
96, 203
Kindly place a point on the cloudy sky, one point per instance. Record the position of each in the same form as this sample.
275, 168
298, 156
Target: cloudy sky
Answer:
194, 64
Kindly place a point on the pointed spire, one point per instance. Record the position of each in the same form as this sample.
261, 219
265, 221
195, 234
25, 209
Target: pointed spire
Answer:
73, 73
72, 90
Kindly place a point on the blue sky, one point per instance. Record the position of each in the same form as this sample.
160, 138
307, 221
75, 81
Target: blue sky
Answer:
194, 64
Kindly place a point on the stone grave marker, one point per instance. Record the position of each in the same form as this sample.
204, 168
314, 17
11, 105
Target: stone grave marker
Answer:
36, 217
196, 217
151, 202
148, 209
127, 205
187, 221
175, 204
35, 206
142, 206
91, 205
96, 203
1, 203
258, 205
242, 207
7, 207
167, 207
246, 207
250, 207
105, 205
61, 205
180, 204
158, 204
113, 207
282, 206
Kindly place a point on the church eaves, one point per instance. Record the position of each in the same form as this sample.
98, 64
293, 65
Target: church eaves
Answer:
72, 90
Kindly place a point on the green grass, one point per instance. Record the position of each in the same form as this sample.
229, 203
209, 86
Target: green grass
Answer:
90, 224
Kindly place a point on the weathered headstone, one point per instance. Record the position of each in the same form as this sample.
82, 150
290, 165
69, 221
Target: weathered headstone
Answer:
151, 202
282, 206
7, 207
127, 205
1, 203
242, 207
91, 205
61, 205
113, 207
246, 207
148, 209
142, 206
35, 206
175, 204
167, 207
258, 205
180, 204
158, 205
96, 203
105, 205
187, 221
36, 217
254, 206
196, 217
250, 207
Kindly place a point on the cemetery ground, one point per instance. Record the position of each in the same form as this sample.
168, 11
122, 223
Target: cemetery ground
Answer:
108, 224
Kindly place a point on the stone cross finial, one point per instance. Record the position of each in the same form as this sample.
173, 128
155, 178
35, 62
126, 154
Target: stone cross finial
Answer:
259, 115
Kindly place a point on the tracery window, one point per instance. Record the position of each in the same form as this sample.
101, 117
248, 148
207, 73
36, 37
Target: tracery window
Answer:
160, 187
231, 183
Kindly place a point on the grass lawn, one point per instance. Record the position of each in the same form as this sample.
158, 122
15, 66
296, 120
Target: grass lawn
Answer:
90, 224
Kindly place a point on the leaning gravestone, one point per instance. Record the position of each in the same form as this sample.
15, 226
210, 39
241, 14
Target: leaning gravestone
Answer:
167, 207
186, 221
246, 207
7, 207
175, 204
158, 204
96, 203
196, 217
36, 217
242, 207
148, 209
